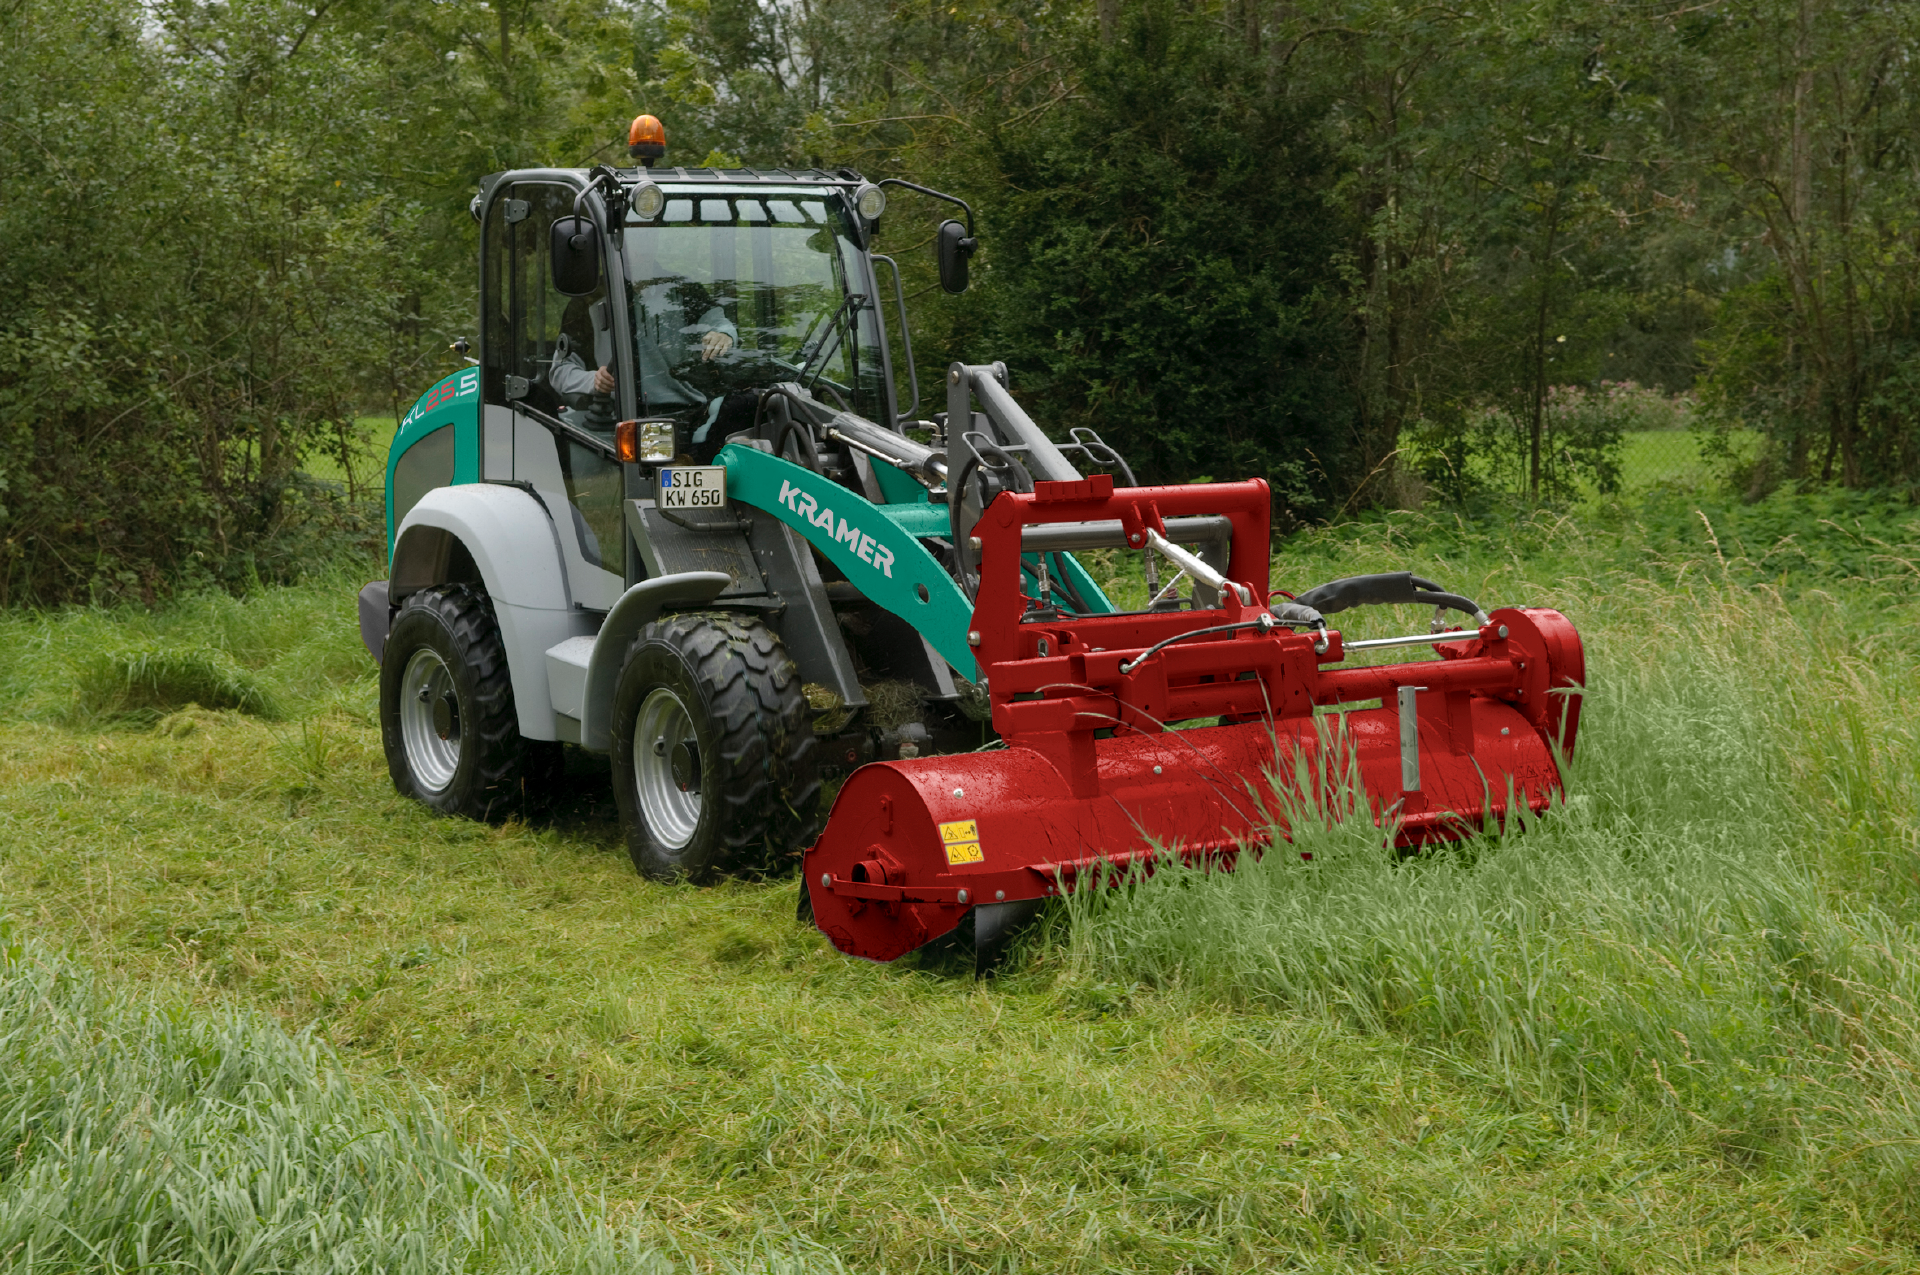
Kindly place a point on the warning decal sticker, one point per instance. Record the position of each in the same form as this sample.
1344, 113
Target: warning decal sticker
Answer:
962, 841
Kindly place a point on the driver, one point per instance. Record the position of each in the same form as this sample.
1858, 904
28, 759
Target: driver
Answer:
662, 346
569, 376
664, 340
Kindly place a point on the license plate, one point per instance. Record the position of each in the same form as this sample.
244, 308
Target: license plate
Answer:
692, 487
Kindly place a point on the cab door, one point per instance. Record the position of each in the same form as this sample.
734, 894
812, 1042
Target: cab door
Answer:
530, 328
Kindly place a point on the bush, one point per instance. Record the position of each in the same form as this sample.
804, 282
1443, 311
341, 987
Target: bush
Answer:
180, 335
1162, 267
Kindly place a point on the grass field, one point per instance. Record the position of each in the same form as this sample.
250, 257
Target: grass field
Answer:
1670, 1028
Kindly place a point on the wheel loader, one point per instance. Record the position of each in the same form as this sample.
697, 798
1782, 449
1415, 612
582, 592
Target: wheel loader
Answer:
681, 508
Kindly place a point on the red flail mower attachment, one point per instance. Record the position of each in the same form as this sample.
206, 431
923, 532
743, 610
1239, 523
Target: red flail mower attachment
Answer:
1091, 775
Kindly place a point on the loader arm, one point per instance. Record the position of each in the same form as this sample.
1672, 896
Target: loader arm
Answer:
876, 547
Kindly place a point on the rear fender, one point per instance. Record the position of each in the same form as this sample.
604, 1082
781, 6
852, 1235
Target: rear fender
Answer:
512, 543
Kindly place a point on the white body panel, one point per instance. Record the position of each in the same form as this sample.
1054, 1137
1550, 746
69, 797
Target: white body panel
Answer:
567, 674
637, 608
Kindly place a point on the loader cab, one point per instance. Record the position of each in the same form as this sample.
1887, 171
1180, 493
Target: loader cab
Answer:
712, 285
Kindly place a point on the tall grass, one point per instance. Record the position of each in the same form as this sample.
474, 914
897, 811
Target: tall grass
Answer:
1712, 933
273, 653
1672, 1022
146, 1137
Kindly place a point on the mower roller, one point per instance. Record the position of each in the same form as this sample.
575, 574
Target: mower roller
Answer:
675, 512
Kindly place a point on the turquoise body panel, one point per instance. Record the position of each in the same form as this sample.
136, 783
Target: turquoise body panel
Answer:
881, 557
922, 518
875, 546
898, 488
919, 520
454, 400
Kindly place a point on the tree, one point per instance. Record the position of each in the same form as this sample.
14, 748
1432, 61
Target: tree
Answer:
1162, 264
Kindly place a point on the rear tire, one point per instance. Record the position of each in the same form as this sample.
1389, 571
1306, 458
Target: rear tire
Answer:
713, 753
447, 718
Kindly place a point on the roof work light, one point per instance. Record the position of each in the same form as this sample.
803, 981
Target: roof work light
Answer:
647, 139
647, 200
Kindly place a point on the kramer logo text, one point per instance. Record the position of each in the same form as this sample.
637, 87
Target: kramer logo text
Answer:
862, 544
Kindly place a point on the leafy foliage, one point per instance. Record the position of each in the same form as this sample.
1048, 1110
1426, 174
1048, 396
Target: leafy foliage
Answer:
1239, 236
1162, 266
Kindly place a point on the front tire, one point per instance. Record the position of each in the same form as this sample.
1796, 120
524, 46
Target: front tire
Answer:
447, 718
712, 750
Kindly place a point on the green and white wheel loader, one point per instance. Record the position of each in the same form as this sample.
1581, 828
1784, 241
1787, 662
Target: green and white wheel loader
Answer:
677, 511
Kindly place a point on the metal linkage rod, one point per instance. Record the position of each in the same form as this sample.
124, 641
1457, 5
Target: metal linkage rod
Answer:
1196, 567
1412, 639
922, 462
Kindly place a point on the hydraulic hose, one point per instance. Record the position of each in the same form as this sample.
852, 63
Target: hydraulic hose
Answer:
996, 459
1387, 589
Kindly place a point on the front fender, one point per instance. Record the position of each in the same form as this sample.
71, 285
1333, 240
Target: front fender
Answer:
637, 608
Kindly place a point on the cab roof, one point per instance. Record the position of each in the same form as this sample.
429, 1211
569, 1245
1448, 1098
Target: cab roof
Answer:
692, 176
739, 176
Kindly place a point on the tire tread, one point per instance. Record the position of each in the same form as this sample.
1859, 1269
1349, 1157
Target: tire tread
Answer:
771, 787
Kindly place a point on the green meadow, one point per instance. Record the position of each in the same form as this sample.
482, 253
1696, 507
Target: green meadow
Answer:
260, 1014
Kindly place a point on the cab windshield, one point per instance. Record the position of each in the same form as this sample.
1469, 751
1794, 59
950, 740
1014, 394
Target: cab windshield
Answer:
731, 292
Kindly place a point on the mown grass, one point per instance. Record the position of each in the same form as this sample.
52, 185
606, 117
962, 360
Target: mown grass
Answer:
1665, 1029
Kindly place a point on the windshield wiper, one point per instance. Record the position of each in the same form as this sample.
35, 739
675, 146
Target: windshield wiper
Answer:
828, 339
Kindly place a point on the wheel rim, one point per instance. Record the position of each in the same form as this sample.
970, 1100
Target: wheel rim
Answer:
666, 768
430, 720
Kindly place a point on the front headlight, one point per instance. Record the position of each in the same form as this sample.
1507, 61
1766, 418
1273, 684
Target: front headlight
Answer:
647, 200
870, 201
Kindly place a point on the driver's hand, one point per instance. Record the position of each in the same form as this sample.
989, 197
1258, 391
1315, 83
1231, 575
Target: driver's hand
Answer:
714, 344
603, 382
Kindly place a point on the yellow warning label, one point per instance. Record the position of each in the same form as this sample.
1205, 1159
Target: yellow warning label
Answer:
964, 852
959, 830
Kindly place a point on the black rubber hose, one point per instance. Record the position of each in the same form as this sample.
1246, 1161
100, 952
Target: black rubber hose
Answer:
1063, 585
793, 424
796, 428
956, 491
1393, 588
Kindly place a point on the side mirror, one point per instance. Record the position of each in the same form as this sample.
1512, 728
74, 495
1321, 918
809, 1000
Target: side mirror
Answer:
575, 248
954, 248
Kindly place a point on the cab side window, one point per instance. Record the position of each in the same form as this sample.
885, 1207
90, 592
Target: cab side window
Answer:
496, 300
542, 349
559, 341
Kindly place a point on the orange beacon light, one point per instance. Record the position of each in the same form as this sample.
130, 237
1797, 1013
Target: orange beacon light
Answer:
647, 139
